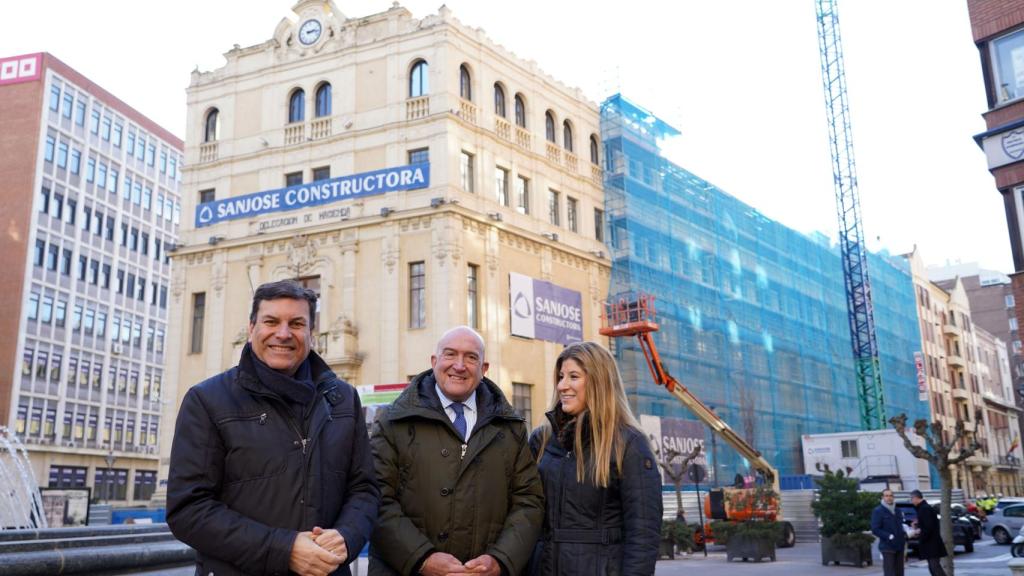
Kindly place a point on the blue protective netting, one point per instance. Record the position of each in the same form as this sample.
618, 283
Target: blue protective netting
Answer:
753, 314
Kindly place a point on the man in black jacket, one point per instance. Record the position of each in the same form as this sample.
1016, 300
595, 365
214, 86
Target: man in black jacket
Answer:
929, 543
271, 471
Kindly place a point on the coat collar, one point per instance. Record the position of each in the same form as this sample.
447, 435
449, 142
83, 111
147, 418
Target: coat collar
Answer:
420, 399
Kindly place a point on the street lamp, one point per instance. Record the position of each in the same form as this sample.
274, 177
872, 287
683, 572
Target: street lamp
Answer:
110, 459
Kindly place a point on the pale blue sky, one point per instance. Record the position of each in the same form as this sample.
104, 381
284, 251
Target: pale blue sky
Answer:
739, 78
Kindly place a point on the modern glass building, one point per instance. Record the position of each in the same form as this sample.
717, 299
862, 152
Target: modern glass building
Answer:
753, 314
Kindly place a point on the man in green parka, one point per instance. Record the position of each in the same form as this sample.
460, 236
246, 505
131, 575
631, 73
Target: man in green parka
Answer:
459, 486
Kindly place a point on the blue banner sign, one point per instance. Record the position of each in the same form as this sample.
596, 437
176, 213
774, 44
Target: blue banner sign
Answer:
317, 193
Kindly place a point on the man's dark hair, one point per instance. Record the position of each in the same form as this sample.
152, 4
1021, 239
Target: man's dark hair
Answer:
916, 494
284, 289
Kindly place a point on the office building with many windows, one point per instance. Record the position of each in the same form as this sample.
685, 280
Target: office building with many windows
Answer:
91, 211
415, 174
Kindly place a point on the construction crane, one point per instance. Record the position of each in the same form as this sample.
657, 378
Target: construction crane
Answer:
851, 235
634, 315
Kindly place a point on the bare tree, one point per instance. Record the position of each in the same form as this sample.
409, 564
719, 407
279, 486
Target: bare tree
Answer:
937, 451
675, 463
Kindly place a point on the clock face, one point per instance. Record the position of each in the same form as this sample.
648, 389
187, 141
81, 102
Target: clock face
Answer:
309, 32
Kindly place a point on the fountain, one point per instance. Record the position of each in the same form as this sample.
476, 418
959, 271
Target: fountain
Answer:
21, 505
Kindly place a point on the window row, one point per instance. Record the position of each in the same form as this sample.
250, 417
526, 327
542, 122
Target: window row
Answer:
517, 194
93, 220
296, 110
122, 381
418, 295
108, 484
519, 105
97, 273
418, 87
112, 129
81, 423
138, 191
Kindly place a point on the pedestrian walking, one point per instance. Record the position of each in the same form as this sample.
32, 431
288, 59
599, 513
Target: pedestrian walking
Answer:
270, 467
930, 546
887, 526
601, 482
460, 490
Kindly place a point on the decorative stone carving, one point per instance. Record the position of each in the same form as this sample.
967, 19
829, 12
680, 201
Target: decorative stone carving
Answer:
302, 254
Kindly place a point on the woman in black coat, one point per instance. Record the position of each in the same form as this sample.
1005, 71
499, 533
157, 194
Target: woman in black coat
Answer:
601, 482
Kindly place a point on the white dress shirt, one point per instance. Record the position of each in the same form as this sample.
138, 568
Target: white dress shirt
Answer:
468, 410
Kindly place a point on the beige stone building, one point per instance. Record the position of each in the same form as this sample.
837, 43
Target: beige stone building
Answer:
949, 347
1001, 415
492, 170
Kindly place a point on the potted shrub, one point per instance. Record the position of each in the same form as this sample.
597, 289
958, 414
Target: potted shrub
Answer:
845, 515
675, 534
754, 538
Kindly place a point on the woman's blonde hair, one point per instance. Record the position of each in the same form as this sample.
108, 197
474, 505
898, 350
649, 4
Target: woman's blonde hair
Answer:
608, 409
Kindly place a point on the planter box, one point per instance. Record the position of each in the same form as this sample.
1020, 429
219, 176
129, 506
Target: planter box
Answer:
749, 548
667, 549
858, 555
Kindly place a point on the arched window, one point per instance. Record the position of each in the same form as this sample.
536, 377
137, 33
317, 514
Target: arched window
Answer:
499, 100
418, 85
567, 136
595, 156
297, 106
549, 126
520, 112
211, 128
323, 100
465, 84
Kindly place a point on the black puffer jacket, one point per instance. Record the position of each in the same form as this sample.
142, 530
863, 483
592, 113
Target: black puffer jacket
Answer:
245, 477
591, 531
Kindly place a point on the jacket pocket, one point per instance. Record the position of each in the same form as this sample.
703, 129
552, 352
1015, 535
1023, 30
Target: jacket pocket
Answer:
337, 439
254, 448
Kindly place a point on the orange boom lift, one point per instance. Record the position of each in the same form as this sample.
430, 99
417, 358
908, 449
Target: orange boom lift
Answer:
634, 315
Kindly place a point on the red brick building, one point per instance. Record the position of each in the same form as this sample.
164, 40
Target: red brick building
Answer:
89, 206
998, 30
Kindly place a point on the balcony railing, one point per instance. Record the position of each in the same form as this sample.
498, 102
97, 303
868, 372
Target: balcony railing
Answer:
320, 128
207, 152
294, 133
596, 174
1007, 461
467, 111
955, 360
502, 128
571, 161
951, 330
417, 107
523, 138
554, 152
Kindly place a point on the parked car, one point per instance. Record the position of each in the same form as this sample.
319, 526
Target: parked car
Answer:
1004, 523
963, 531
960, 511
1009, 501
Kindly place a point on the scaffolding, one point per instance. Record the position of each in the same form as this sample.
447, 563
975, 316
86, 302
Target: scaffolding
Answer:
752, 314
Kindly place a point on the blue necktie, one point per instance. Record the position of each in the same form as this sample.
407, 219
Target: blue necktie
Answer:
460, 419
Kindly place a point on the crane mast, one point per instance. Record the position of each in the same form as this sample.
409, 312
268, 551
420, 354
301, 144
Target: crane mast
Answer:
851, 235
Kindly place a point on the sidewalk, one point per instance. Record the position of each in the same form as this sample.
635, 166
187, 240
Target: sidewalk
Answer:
805, 559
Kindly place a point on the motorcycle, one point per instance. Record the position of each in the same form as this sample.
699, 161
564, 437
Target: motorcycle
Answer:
1017, 546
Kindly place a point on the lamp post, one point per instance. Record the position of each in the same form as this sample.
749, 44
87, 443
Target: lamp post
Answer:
110, 459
